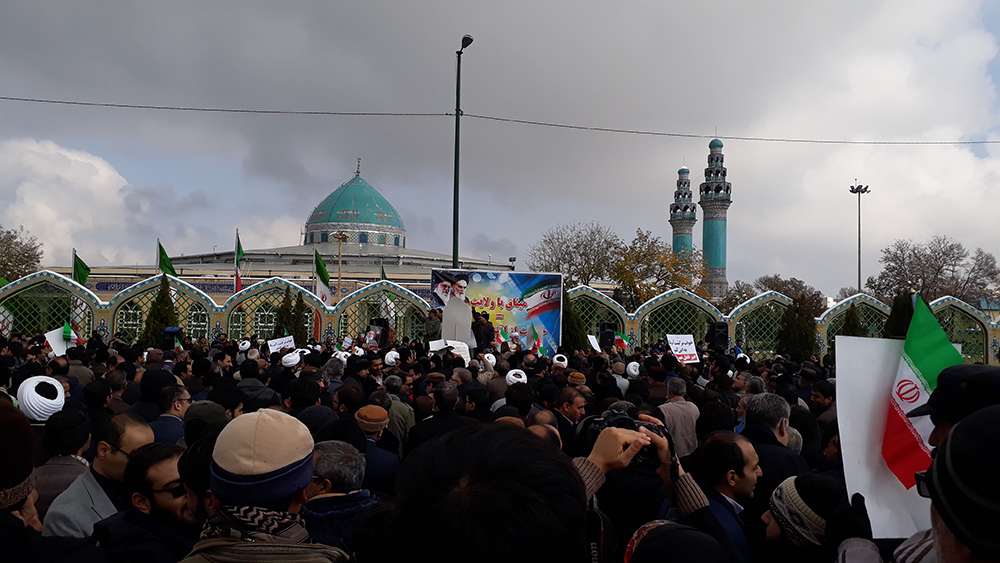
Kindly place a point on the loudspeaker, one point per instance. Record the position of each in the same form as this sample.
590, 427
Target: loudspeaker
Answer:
718, 337
169, 334
383, 338
608, 326
606, 339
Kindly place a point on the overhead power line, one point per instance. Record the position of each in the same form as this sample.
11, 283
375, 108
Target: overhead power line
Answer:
499, 119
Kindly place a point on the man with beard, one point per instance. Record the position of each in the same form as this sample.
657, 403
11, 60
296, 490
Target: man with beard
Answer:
159, 526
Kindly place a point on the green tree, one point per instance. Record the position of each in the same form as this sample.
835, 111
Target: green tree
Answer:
647, 267
283, 317
574, 332
797, 332
852, 323
161, 315
899, 317
299, 316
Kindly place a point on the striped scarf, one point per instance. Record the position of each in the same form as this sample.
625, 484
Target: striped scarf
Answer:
251, 523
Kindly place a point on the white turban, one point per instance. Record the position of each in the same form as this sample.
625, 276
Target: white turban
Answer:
560, 360
290, 359
491, 359
244, 346
35, 406
632, 369
391, 358
516, 376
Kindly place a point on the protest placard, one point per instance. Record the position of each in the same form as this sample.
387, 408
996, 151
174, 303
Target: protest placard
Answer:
278, 344
460, 348
682, 345
866, 371
593, 342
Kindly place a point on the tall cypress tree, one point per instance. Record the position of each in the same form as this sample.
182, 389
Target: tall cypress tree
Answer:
797, 333
852, 323
283, 317
160, 316
899, 317
574, 333
299, 329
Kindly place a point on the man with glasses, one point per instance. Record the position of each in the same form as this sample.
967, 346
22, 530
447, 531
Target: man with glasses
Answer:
97, 494
159, 524
173, 404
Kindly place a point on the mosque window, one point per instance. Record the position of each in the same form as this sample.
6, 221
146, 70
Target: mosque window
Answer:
310, 237
324, 237
381, 239
396, 241
363, 238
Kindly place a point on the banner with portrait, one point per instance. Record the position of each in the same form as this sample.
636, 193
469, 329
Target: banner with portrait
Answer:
525, 307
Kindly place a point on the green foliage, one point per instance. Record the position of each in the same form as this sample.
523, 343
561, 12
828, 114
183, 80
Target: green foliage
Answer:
852, 324
160, 316
899, 317
797, 333
299, 316
574, 331
283, 317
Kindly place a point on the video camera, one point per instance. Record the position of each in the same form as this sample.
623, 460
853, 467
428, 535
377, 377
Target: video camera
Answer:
591, 427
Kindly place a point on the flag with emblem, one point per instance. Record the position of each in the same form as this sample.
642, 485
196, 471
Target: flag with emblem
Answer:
322, 280
621, 340
502, 335
926, 352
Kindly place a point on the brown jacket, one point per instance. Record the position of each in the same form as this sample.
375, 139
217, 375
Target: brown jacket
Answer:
232, 550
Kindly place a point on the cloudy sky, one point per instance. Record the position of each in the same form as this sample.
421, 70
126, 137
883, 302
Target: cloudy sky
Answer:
112, 181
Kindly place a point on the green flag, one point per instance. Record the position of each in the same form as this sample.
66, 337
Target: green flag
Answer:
81, 271
383, 273
3, 282
322, 280
165, 265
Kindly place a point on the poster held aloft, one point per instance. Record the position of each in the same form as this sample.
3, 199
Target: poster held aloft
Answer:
682, 345
279, 344
593, 342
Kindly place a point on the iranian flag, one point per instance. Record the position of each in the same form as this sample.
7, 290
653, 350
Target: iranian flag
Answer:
322, 281
502, 335
238, 260
178, 347
926, 352
621, 341
537, 339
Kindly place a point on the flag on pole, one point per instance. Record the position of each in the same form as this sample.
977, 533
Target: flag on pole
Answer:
177, 344
926, 352
81, 271
537, 339
322, 280
621, 341
502, 335
238, 260
383, 274
164, 264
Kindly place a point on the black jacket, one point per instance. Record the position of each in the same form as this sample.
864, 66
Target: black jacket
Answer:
441, 422
131, 536
22, 544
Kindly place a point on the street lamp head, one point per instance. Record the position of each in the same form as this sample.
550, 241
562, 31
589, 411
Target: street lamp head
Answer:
466, 41
859, 189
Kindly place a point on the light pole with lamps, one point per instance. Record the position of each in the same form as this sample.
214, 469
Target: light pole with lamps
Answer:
859, 189
341, 237
466, 41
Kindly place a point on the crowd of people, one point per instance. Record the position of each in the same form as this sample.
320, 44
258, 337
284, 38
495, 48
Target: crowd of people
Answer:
370, 451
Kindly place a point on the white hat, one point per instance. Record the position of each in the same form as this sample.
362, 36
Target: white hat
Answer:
516, 376
560, 360
35, 406
391, 358
632, 369
302, 351
342, 356
290, 359
244, 346
491, 359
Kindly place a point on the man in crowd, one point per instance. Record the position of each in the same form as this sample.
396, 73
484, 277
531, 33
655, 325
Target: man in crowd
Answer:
680, 417
173, 403
67, 437
97, 494
159, 525
337, 497
261, 467
824, 402
444, 418
381, 466
569, 408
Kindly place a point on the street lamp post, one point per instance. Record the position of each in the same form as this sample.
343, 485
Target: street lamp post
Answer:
341, 237
466, 41
859, 189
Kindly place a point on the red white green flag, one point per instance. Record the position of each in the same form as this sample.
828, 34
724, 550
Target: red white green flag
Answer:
322, 280
537, 340
178, 347
239, 260
621, 341
926, 352
502, 335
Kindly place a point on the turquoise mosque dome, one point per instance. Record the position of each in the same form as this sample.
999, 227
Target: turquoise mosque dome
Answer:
359, 211
715, 144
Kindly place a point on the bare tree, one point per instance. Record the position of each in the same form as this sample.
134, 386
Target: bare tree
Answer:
582, 252
810, 297
941, 266
20, 253
846, 292
737, 293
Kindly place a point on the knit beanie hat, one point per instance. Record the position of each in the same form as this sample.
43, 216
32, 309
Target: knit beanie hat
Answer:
576, 378
66, 431
372, 418
618, 368
260, 458
40, 397
801, 522
17, 478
